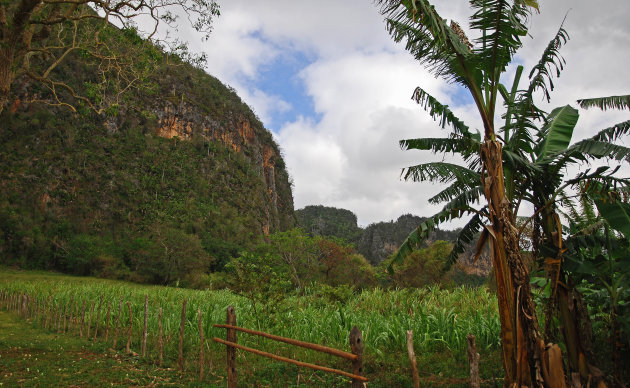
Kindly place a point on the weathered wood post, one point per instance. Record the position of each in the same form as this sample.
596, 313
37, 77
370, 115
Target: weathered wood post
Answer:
82, 320
356, 346
200, 345
231, 351
117, 324
71, 314
24, 310
412, 359
59, 316
66, 307
146, 319
130, 331
89, 323
180, 348
473, 361
160, 340
98, 316
109, 308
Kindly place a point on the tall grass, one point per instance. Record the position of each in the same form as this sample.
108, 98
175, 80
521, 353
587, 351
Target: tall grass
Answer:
440, 320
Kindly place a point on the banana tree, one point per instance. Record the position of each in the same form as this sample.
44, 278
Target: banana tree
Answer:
507, 166
445, 49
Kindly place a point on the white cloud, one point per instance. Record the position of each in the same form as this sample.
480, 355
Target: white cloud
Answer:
361, 82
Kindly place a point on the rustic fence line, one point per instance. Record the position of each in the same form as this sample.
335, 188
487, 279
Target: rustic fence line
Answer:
84, 319
68, 317
356, 345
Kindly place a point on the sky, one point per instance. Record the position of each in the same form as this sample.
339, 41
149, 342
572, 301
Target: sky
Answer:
334, 89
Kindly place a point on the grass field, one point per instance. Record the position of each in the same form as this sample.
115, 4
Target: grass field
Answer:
440, 319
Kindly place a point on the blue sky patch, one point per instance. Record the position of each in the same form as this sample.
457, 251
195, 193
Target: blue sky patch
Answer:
280, 78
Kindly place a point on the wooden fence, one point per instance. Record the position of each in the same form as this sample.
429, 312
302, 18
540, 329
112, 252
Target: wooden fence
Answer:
356, 346
77, 317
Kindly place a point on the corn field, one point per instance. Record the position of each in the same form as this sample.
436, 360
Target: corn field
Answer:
98, 310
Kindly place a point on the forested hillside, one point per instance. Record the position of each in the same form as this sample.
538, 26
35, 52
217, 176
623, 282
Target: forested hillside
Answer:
179, 168
375, 242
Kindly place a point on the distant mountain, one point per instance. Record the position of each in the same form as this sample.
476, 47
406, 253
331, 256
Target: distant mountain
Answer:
375, 242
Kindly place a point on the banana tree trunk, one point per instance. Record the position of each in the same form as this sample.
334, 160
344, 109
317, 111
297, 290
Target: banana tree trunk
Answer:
566, 301
524, 358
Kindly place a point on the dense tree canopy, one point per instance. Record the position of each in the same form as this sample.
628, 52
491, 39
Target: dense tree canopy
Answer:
37, 35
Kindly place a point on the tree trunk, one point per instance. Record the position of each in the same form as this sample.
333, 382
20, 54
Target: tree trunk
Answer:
522, 344
6, 75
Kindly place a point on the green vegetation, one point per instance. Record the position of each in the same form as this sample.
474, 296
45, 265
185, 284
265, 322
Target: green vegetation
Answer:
440, 319
116, 194
375, 242
522, 157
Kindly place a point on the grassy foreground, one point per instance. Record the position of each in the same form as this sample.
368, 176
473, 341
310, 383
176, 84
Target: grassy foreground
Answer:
440, 319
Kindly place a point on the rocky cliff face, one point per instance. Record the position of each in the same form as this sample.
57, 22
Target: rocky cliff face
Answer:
186, 121
196, 107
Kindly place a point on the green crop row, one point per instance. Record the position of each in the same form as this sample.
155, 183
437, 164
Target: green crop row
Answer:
440, 320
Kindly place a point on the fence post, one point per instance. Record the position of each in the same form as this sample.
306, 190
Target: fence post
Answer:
160, 341
98, 316
24, 311
200, 345
128, 347
117, 324
412, 359
146, 318
231, 351
356, 346
180, 355
109, 307
89, 323
71, 314
473, 361
82, 320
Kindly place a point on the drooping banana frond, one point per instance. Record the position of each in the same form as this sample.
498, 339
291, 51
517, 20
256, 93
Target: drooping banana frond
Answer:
504, 24
465, 146
518, 162
523, 108
601, 182
556, 134
591, 149
439, 172
604, 103
541, 76
617, 214
440, 111
472, 192
417, 236
613, 133
464, 238
427, 37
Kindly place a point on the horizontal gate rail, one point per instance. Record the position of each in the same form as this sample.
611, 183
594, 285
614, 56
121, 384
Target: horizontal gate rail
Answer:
290, 360
307, 345
231, 343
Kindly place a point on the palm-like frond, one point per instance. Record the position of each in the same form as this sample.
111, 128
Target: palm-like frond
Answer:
440, 111
465, 146
613, 133
439, 172
427, 37
601, 182
556, 134
453, 210
604, 103
591, 149
471, 191
464, 238
541, 76
503, 25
